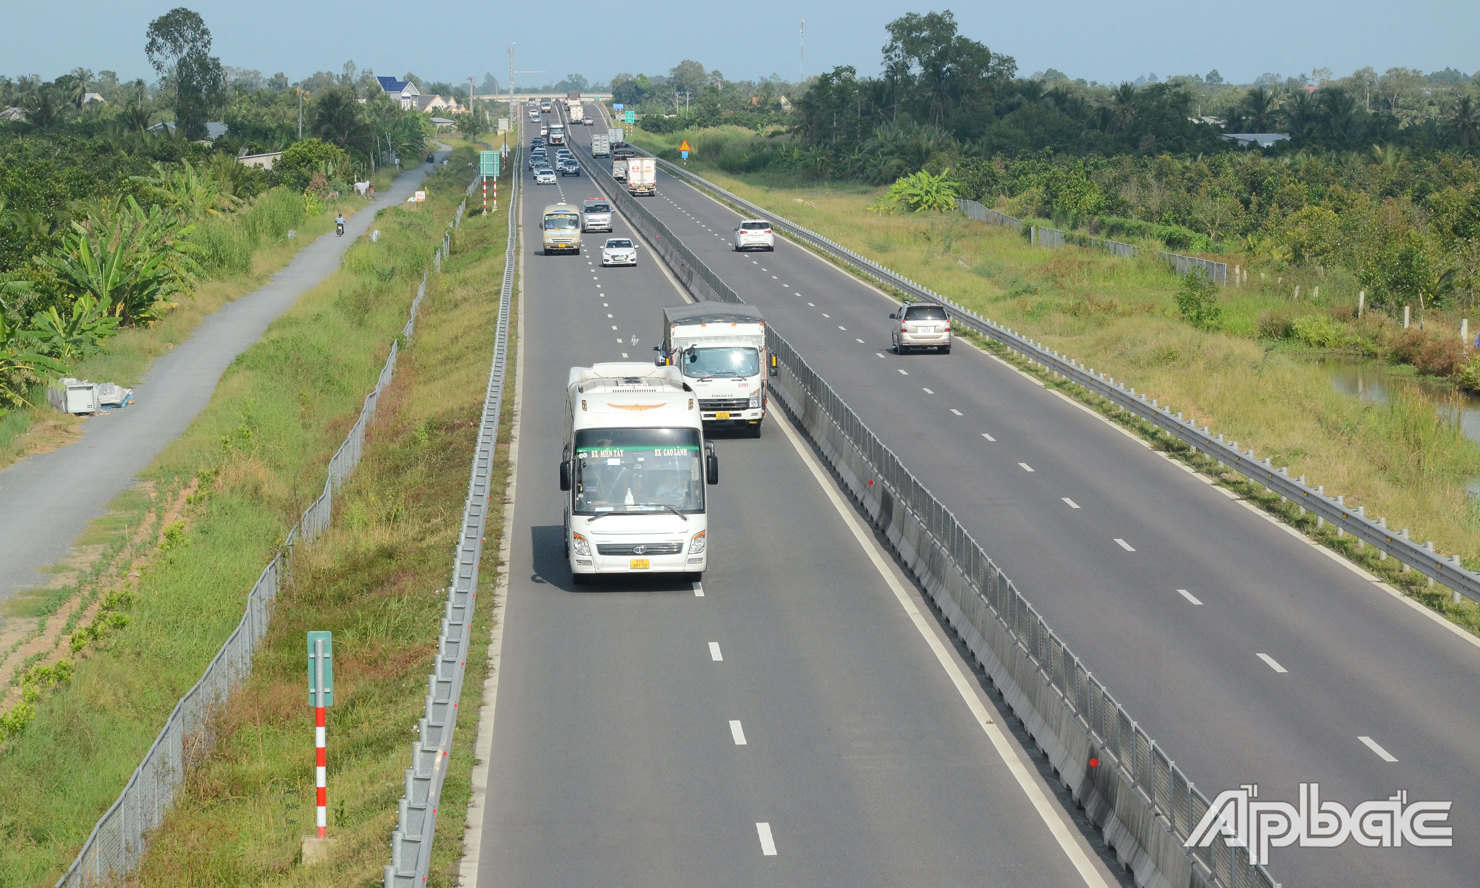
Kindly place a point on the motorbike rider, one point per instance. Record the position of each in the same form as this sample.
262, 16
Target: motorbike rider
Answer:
339, 222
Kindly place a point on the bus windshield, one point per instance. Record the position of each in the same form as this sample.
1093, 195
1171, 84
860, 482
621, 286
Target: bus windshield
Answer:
638, 470
704, 363
562, 221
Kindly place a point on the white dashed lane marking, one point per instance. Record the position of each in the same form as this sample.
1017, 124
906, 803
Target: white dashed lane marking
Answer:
714, 653
1270, 662
737, 732
1070, 503
768, 844
1189, 596
1124, 545
1025, 467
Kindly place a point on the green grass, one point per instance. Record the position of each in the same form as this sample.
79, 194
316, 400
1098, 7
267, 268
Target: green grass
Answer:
260, 451
1120, 317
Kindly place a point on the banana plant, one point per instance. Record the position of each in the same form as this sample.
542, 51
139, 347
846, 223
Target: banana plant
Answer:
127, 258
20, 367
76, 335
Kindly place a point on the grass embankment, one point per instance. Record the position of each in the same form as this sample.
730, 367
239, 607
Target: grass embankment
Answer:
253, 461
1401, 461
239, 252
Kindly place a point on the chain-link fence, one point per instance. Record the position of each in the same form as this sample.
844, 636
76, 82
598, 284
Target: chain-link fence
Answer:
1143, 802
118, 841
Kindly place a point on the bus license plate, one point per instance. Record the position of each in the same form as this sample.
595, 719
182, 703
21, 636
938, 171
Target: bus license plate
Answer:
722, 415
638, 564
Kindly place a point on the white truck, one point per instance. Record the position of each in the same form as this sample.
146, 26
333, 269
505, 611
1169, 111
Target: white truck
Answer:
633, 472
642, 175
617, 136
601, 146
577, 112
720, 349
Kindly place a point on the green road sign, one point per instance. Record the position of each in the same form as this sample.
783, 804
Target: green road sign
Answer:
629, 116
488, 163
320, 665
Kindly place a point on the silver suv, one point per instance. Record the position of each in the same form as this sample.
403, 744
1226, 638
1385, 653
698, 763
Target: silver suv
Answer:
921, 325
754, 234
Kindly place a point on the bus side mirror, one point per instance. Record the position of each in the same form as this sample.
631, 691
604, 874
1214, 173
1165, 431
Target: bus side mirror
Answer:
774, 369
711, 463
565, 474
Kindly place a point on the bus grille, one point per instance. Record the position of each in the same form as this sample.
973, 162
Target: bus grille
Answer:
673, 548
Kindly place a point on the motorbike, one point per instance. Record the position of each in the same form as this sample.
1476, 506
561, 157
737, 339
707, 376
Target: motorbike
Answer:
339, 228
431, 159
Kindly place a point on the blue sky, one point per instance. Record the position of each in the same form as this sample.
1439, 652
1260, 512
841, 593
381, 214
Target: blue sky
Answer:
453, 39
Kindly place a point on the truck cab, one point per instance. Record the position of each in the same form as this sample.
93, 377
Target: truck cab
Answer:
719, 348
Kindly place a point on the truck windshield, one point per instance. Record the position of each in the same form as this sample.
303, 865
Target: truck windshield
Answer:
638, 470
700, 363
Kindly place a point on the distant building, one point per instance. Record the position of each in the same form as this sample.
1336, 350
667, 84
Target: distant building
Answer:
14, 114
1260, 140
215, 129
260, 161
403, 92
93, 97
443, 124
429, 104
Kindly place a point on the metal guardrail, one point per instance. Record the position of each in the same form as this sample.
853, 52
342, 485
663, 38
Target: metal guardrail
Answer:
1331, 509
1146, 805
416, 824
119, 839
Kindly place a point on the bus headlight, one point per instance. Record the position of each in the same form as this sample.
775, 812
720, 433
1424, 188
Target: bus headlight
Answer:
696, 545
580, 545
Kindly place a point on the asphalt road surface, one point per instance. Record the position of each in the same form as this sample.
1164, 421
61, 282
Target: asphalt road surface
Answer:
784, 722
1250, 655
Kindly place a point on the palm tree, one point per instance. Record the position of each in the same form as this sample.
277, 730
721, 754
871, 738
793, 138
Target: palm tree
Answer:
1464, 122
80, 79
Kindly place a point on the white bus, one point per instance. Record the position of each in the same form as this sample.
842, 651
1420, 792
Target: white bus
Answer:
560, 229
633, 471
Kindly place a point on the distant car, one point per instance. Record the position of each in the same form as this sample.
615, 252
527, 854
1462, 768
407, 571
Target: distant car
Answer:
568, 167
537, 158
544, 176
754, 234
534, 115
590, 121
545, 105
921, 325
596, 214
618, 251
536, 142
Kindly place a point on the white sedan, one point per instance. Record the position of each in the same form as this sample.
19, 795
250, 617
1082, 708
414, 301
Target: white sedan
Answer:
544, 176
618, 251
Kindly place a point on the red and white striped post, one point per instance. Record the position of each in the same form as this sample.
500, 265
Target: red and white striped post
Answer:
321, 695
485, 195
320, 767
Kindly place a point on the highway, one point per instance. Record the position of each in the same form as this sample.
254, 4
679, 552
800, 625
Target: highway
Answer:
1249, 654
791, 720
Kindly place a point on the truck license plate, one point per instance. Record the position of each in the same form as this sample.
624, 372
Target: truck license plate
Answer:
722, 415
638, 564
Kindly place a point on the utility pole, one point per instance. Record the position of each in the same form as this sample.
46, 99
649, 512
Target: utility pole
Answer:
300, 114
802, 59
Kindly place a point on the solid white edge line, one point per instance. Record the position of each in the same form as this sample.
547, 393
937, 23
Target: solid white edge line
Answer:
1272, 663
737, 733
1189, 596
1375, 747
1053, 817
768, 844
714, 653
483, 744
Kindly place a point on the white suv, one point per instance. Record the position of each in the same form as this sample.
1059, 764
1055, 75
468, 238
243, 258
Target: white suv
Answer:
754, 234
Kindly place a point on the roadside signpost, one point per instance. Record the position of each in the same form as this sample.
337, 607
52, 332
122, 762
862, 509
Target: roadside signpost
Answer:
629, 116
321, 696
684, 150
488, 164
